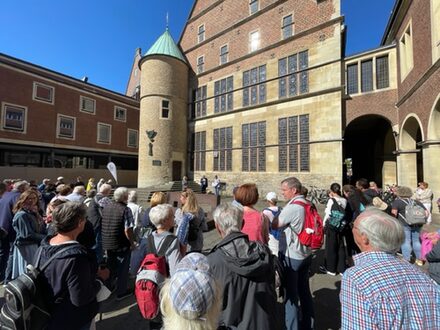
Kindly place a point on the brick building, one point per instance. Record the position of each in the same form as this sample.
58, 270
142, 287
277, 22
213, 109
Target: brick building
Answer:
52, 125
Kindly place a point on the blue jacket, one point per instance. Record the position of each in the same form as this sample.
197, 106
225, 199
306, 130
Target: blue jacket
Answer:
6, 205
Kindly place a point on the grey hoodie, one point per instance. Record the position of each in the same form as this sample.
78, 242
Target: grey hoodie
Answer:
246, 273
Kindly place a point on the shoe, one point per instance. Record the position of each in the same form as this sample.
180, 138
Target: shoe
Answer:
419, 262
324, 270
127, 294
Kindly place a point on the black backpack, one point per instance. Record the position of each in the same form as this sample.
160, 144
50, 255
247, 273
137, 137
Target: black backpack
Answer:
28, 300
337, 220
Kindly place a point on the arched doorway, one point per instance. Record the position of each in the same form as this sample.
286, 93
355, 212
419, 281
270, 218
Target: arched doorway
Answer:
410, 153
370, 144
431, 153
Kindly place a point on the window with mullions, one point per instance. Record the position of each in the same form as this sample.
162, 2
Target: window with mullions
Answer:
293, 140
382, 72
200, 151
224, 54
254, 147
352, 78
222, 149
367, 76
256, 92
201, 33
287, 27
290, 82
200, 110
223, 100
200, 64
253, 6
14, 118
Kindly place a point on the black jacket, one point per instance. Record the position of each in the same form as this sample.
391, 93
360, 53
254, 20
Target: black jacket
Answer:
246, 273
71, 283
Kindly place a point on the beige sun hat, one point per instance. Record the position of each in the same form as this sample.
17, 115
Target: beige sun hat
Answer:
380, 204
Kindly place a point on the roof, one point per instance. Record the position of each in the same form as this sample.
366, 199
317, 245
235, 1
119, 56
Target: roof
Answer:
165, 45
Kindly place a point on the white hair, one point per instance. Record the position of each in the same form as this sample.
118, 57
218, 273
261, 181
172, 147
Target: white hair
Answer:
121, 194
384, 232
160, 214
105, 189
228, 217
79, 190
132, 196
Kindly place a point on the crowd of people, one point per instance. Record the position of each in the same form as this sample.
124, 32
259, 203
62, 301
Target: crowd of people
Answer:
256, 277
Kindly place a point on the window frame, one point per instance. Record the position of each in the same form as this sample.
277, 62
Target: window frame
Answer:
24, 110
65, 137
81, 109
257, 41
226, 97
379, 78
130, 130
222, 150
248, 146
98, 124
406, 51
290, 26
161, 109
201, 33
200, 151
252, 8
224, 57
35, 97
116, 108
200, 64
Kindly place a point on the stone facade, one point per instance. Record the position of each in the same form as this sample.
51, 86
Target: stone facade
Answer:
163, 79
317, 31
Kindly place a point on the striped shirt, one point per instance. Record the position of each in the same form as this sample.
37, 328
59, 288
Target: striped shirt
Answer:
384, 292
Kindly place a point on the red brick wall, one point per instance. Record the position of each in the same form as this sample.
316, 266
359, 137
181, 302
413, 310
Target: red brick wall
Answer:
378, 103
419, 12
306, 14
16, 87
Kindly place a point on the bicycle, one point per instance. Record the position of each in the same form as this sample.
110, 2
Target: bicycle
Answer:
318, 195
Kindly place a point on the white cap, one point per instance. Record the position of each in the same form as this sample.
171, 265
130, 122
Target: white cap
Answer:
60, 178
271, 196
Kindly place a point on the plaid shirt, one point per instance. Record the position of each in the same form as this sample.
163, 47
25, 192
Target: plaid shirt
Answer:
384, 292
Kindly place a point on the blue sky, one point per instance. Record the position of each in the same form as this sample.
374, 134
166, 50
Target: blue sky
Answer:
98, 38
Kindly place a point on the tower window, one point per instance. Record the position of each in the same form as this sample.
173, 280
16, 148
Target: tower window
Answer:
165, 109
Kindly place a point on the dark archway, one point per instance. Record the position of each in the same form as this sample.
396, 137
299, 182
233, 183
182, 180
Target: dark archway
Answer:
369, 141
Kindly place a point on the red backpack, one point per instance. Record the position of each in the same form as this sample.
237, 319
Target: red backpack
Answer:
150, 276
312, 234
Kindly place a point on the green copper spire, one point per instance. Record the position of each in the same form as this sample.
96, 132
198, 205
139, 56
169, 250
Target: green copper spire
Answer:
165, 45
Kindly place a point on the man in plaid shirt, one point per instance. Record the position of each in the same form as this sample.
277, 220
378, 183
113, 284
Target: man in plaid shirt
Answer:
383, 291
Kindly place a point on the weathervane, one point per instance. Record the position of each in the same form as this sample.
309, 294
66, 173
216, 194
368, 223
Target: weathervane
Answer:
167, 21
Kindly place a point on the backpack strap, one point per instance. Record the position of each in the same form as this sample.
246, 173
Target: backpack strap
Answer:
151, 248
64, 249
166, 244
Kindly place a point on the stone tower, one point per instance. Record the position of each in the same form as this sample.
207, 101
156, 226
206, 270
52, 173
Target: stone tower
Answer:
163, 114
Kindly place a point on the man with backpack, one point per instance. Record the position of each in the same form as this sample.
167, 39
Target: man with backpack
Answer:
162, 254
295, 256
